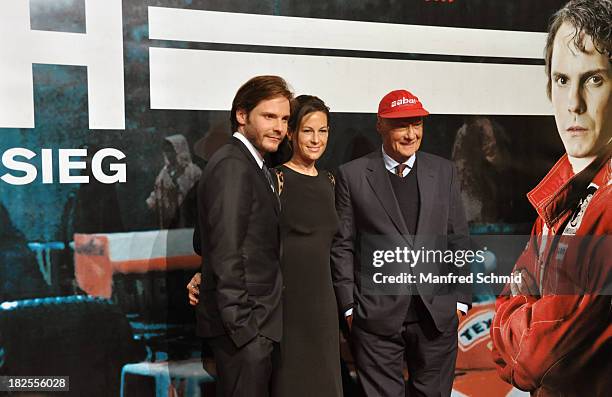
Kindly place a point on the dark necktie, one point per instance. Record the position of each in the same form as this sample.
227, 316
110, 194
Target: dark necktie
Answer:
268, 175
399, 170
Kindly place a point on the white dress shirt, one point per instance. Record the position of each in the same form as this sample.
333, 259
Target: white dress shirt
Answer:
256, 155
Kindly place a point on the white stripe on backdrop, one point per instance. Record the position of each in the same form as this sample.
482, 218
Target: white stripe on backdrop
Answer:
208, 80
268, 30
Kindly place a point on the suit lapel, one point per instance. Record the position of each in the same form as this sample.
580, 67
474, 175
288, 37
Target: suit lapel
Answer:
260, 172
381, 186
426, 181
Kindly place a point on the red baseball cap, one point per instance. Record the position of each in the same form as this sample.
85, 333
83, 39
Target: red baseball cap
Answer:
400, 104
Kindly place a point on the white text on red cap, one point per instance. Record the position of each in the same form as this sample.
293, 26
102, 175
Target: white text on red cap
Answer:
403, 101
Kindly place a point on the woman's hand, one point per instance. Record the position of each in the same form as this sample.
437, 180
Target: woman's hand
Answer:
193, 288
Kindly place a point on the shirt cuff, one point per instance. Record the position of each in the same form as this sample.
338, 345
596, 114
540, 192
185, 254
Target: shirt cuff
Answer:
349, 312
462, 307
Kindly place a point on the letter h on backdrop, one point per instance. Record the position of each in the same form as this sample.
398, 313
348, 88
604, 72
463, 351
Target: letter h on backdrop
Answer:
100, 50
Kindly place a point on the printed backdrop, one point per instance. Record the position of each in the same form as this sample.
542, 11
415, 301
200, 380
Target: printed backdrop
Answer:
98, 97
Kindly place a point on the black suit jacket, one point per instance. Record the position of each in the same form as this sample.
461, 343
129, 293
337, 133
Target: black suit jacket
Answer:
240, 294
367, 205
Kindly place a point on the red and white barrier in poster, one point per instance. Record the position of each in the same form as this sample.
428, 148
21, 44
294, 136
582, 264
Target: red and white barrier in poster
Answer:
98, 256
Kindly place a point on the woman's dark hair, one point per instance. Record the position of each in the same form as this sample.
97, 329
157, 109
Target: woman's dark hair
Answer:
300, 107
303, 105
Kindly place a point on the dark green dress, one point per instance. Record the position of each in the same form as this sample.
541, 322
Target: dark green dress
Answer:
309, 362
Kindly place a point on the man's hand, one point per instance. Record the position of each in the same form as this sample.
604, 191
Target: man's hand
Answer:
193, 288
349, 322
527, 286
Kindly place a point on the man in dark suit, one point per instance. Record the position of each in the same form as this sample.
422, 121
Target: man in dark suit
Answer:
239, 314
403, 195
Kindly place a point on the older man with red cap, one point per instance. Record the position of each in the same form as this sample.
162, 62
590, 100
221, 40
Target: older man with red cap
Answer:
403, 194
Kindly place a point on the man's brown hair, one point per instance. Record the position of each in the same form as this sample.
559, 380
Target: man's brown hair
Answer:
255, 90
588, 17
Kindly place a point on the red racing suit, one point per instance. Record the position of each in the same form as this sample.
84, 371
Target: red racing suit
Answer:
556, 339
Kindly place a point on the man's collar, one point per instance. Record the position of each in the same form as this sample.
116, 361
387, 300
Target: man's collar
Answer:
254, 152
561, 189
390, 164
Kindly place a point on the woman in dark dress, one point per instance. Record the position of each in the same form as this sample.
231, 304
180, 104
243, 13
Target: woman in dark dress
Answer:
309, 361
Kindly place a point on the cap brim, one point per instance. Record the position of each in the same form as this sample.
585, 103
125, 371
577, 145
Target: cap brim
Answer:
402, 114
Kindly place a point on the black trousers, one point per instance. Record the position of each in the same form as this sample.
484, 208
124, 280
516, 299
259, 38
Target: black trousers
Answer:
243, 372
430, 356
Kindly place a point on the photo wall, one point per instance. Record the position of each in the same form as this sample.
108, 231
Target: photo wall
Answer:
99, 97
